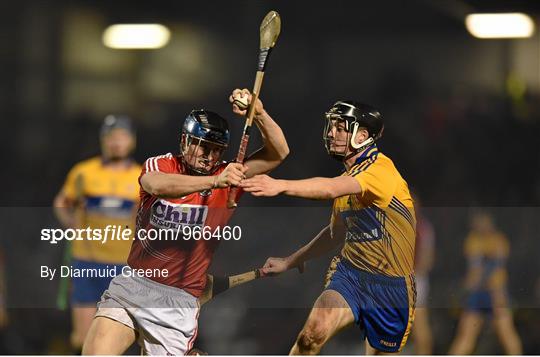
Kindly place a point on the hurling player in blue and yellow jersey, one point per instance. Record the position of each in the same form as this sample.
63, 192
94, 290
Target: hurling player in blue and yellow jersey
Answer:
486, 250
371, 282
99, 192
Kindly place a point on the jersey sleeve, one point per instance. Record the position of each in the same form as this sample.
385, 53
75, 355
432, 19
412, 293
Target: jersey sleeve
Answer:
378, 183
73, 187
163, 163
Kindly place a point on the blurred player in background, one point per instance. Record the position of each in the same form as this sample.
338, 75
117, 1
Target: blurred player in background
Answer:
371, 282
423, 263
487, 250
98, 192
178, 191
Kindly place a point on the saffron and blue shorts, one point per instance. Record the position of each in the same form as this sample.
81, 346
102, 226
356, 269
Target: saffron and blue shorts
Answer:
383, 306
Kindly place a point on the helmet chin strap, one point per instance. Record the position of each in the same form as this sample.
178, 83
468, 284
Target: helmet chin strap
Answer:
358, 146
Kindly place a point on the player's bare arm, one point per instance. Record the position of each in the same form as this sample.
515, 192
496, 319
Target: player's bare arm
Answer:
317, 188
275, 148
341, 143
327, 239
178, 185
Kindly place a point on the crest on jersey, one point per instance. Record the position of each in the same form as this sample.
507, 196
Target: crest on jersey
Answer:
205, 193
364, 225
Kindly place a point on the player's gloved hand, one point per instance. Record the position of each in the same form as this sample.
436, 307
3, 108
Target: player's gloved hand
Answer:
275, 266
243, 99
233, 174
263, 185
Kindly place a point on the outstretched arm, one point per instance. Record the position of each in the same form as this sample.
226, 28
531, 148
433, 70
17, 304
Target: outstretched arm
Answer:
274, 149
175, 185
317, 188
328, 238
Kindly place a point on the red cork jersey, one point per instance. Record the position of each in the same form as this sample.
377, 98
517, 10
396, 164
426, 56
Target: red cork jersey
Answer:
185, 260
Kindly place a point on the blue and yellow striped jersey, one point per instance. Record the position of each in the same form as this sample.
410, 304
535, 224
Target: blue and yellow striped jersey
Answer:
108, 197
488, 252
380, 222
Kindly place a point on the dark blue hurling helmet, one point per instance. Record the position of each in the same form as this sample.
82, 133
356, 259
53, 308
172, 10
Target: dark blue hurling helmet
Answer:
355, 115
208, 126
203, 127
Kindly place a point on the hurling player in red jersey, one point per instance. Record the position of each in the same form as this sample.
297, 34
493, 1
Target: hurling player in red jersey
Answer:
155, 301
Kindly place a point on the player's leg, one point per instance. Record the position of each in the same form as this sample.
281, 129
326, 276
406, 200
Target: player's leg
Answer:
503, 323
329, 315
469, 328
108, 337
421, 332
81, 318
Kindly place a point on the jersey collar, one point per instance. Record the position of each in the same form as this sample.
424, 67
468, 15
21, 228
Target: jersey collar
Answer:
128, 162
368, 153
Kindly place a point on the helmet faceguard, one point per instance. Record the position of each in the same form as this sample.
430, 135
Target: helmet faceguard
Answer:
204, 129
354, 116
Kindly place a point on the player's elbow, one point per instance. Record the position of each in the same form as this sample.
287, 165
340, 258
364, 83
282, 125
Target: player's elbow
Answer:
323, 193
273, 158
283, 152
154, 185
158, 190
340, 186
330, 193
279, 154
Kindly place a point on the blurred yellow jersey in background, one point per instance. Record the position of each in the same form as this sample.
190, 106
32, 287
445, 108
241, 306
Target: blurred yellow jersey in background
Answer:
380, 222
106, 197
488, 253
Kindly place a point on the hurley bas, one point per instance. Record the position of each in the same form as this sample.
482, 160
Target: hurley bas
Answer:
108, 271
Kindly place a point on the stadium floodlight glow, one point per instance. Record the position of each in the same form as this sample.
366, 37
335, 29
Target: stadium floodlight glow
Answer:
500, 25
136, 36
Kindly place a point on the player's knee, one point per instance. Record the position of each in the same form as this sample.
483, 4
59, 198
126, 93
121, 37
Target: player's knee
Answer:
312, 338
91, 345
89, 348
308, 344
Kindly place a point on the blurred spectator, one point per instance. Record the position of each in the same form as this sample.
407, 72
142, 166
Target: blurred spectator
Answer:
487, 250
